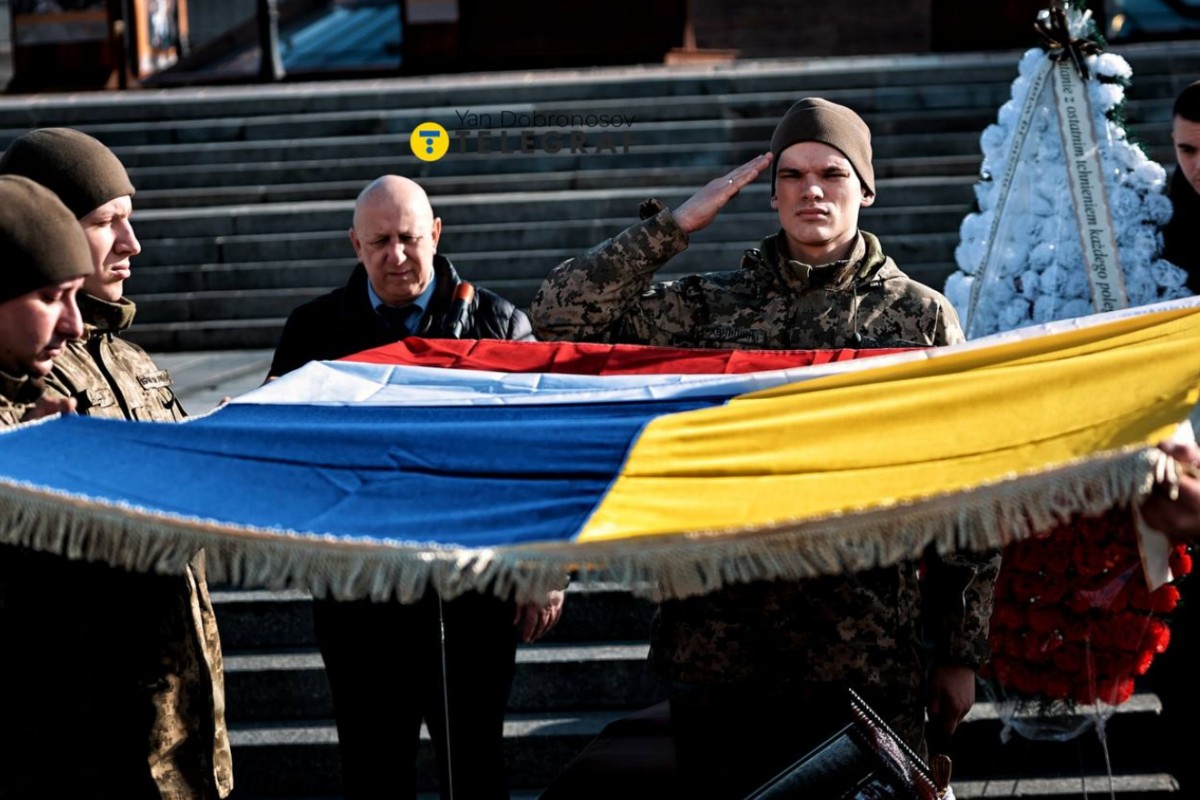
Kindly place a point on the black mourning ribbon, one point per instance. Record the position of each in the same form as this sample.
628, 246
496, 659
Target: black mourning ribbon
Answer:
1052, 26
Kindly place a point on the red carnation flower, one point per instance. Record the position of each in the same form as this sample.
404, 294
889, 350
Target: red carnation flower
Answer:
1024, 680
1158, 636
1180, 561
1026, 586
1083, 692
1164, 599
1115, 691
1047, 620
1024, 556
1069, 659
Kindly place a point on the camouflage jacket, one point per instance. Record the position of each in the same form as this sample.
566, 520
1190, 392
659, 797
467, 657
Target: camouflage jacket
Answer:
167, 622
109, 376
16, 397
771, 302
868, 629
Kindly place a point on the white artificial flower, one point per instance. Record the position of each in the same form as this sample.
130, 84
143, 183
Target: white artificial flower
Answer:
1031, 61
1140, 287
1159, 209
993, 138
1150, 173
1111, 65
1027, 284
958, 292
1045, 308
1076, 308
966, 256
1075, 282
985, 192
1007, 116
1169, 276
1124, 203
1042, 257
1105, 96
1014, 314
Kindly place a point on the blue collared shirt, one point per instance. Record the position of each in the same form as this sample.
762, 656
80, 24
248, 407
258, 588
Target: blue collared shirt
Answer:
413, 324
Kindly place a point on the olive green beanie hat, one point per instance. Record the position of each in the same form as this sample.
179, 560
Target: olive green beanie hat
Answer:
78, 168
815, 119
41, 243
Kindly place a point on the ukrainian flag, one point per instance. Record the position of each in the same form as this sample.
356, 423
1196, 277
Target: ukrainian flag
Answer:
501, 465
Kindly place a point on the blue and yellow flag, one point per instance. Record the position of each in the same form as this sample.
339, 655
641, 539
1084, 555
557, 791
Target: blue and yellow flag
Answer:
499, 466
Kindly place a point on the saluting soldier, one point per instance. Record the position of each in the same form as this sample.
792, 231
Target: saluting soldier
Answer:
743, 661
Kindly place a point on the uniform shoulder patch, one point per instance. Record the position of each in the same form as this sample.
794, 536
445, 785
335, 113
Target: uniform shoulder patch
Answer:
155, 380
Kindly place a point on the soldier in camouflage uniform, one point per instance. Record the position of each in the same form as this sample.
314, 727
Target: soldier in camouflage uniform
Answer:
44, 262
156, 697
739, 660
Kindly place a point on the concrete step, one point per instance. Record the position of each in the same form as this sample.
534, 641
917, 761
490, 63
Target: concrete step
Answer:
620, 152
328, 240
945, 135
438, 187
280, 760
300, 759
718, 158
263, 686
554, 86
176, 227
876, 105
201, 379
1146, 786
890, 111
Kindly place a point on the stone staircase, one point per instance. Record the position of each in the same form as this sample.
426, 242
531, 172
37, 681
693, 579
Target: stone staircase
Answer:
587, 672
246, 193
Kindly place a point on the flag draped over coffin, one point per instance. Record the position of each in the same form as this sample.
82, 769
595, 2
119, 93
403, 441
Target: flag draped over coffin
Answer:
679, 469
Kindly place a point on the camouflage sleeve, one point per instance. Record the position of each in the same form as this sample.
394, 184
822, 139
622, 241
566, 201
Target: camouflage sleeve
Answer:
949, 331
958, 593
589, 297
10, 414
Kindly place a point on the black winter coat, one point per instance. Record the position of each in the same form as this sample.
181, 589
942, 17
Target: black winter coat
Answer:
342, 322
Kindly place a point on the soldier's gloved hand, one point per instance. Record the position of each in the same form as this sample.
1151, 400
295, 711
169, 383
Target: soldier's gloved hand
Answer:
699, 210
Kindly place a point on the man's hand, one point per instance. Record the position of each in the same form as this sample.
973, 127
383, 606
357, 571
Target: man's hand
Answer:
951, 695
699, 210
534, 620
46, 406
1179, 518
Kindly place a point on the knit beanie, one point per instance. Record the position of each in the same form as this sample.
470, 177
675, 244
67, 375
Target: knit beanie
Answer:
79, 169
41, 243
814, 119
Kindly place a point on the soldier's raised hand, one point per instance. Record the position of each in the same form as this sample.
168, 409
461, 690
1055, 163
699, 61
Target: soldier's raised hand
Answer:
699, 210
